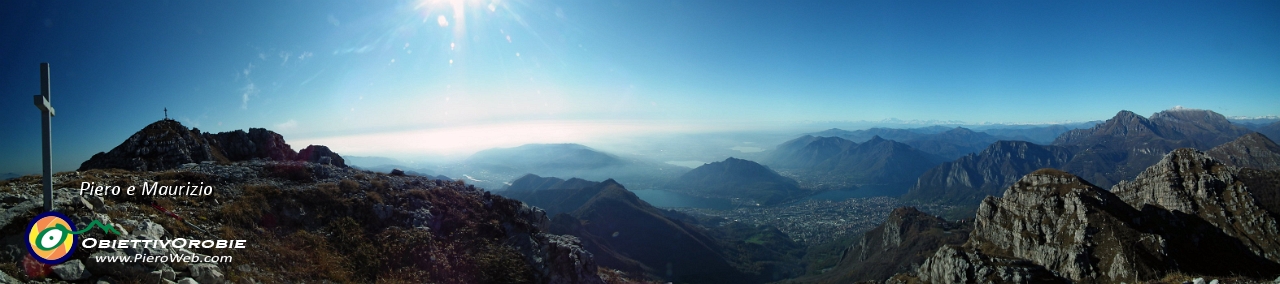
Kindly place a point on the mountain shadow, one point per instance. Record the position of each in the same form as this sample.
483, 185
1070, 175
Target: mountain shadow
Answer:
626, 233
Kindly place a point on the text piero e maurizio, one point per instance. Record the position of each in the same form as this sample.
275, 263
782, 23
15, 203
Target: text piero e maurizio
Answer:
148, 188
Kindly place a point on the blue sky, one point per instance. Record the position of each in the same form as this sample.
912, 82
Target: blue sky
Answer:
413, 77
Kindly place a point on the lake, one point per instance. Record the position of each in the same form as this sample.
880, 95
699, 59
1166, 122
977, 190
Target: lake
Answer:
663, 198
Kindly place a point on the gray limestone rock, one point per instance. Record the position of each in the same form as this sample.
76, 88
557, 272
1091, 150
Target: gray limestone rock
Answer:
206, 273
71, 271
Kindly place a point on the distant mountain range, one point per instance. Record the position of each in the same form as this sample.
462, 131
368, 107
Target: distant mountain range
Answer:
491, 168
626, 233
949, 144
837, 163
738, 178
1126, 144
954, 142
1115, 150
1270, 130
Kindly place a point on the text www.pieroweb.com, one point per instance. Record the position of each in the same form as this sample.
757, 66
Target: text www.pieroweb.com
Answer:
163, 258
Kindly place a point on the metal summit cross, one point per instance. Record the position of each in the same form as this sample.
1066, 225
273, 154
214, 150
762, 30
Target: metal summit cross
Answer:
46, 112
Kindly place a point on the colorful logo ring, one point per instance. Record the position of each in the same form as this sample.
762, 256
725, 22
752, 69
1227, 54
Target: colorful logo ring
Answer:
50, 239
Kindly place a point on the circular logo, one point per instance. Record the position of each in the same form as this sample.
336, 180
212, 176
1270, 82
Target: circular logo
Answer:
49, 237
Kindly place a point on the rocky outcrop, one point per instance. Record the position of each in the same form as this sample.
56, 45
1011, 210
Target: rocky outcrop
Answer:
1079, 231
952, 264
569, 262
320, 155
1252, 150
1190, 185
344, 226
1188, 213
167, 144
258, 143
968, 180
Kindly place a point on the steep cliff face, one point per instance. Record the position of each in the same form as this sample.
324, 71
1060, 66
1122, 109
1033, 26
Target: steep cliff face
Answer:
968, 180
1188, 213
1191, 185
1079, 231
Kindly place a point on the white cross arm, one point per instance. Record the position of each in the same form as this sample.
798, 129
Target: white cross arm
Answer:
43, 104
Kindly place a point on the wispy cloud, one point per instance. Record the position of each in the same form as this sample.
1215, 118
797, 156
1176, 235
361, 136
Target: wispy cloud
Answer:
249, 89
246, 92
334, 20
284, 57
362, 49
305, 55
287, 125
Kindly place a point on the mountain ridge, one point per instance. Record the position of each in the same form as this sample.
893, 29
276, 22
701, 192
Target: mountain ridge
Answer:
167, 144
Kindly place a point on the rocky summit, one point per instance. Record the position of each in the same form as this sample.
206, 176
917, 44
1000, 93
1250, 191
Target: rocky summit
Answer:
167, 144
1188, 214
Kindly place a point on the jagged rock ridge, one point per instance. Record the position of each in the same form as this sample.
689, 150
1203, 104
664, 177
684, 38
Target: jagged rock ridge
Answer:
1188, 213
167, 144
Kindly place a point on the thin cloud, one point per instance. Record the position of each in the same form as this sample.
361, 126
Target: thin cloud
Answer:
357, 50
334, 20
287, 125
249, 89
246, 92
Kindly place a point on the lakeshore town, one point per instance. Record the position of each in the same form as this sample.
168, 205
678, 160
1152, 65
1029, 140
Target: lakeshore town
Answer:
814, 222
